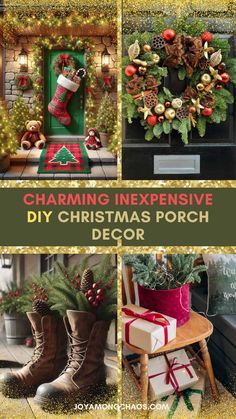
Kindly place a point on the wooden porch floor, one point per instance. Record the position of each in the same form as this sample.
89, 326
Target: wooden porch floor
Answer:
24, 165
11, 356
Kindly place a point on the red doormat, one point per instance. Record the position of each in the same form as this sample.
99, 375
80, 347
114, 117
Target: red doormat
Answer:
64, 158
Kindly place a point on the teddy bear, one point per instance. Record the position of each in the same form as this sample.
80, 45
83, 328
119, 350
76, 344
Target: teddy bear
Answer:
33, 136
92, 141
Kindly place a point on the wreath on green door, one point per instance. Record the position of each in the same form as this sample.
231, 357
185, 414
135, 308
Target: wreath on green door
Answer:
62, 61
203, 60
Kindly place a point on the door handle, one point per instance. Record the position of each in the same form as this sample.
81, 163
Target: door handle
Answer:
81, 102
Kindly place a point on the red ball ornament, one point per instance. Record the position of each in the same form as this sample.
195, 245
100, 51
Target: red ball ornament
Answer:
100, 291
206, 36
95, 285
225, 78
130, 70
168, 34
152, 120
207, 111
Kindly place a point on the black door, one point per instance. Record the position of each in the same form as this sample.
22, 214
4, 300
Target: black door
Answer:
210, 157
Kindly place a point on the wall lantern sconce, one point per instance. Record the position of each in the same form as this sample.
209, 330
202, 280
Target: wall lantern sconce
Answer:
23, 60
106, 59
6, 261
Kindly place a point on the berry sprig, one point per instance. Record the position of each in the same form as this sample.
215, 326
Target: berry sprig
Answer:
95, 295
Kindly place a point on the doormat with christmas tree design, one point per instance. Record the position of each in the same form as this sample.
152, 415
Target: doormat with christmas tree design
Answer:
64, 158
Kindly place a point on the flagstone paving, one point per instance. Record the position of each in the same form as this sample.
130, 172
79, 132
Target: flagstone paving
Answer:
24, 165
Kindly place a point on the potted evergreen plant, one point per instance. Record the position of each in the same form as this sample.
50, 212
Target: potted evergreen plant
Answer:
8, 141
164, 285
16, 324
106, 120
18, 117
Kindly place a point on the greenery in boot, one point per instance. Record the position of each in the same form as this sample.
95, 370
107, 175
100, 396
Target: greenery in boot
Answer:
10, 299
174, 272
70, 288
8, 141
101, 299
106, 115
19, 115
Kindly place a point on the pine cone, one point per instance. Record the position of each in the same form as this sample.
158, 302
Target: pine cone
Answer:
41, 307
150, 83
158, 42
208, 101
182, 113
86, 281
204, 63
190, 93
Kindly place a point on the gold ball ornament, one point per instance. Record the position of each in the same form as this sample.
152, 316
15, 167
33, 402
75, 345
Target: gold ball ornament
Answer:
176, 103
200, 87
206, 78
159, 108
156, 58
147, 48
170, 114
142, 70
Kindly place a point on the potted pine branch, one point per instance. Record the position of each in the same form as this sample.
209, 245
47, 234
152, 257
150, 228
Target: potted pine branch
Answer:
16, 324
164, 285
106, 120
19, 115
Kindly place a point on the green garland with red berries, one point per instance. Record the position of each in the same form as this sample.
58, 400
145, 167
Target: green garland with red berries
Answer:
202, 60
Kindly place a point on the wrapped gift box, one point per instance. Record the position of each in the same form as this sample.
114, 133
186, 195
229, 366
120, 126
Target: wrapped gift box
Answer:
170, 373
185, 405
146, 329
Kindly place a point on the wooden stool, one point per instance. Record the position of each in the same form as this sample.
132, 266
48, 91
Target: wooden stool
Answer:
196, 330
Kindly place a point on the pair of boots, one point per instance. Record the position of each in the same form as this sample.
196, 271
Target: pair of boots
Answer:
84, 368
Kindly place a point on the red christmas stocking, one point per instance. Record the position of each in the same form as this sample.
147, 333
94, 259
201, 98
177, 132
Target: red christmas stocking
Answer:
57, 107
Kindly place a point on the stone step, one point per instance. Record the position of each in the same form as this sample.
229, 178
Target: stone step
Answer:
102, 156
26, 170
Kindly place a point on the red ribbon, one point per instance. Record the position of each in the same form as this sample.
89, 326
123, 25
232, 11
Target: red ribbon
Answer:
106, 81
173, 366
23, 80
64, 59
34, 136
149, 316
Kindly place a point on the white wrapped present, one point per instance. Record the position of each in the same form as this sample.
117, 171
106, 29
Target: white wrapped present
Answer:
170, 373
146, 329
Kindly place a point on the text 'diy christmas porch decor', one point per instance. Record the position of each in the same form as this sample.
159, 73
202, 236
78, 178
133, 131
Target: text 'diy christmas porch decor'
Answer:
64, 158
201, 62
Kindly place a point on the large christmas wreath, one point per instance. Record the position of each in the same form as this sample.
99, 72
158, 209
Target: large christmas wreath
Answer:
61, 61
201, 60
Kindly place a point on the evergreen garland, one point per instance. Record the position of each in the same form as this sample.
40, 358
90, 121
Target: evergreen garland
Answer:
176, 271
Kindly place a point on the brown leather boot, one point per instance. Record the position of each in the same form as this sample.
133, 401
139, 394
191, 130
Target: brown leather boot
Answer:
85, 370
48, 360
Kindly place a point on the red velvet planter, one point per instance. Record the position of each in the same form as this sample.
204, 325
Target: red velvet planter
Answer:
174, 302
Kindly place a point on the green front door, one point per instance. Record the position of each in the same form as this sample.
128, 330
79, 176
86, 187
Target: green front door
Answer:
76, 105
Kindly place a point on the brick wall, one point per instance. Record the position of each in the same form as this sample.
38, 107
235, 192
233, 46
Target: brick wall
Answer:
12, 67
